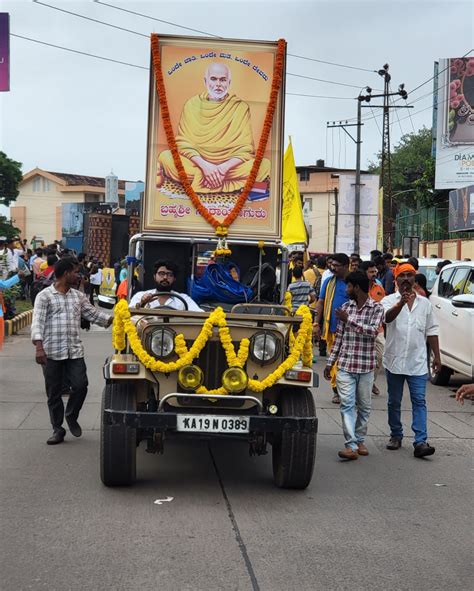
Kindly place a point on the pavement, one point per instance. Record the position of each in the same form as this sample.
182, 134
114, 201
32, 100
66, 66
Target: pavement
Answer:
386, 521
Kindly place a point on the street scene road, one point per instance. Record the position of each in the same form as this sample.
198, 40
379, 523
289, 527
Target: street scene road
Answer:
206, 516
236, 295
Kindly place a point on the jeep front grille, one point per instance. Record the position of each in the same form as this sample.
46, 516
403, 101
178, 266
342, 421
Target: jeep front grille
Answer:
213, 362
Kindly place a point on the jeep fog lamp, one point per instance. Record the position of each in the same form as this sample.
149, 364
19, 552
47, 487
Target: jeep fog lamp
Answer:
190, 377
162, 342
234, 380
264, 347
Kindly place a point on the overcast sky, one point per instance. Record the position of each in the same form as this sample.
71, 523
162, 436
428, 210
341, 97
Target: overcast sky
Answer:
73, 113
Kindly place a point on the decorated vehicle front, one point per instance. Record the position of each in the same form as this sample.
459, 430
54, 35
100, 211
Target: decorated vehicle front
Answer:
220, 374
241, 367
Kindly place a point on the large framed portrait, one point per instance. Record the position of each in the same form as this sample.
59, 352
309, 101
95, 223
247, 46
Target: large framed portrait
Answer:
217, 92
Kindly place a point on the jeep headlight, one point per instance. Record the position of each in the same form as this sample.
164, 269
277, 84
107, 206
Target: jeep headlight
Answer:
264, 347
162, 342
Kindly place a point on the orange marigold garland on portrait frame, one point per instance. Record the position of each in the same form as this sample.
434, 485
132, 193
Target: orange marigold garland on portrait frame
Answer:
220, 227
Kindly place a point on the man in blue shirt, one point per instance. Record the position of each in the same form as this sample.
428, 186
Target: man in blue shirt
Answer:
332, 296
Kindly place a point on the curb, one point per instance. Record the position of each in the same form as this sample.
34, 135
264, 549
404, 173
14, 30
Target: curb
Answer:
18, 322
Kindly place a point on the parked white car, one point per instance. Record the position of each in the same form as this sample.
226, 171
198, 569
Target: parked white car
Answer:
452, 298
428, 268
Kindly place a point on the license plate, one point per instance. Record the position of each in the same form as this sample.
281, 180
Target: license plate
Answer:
212, 424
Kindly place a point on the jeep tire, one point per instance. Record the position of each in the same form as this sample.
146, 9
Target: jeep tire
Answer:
293, 454
118, 443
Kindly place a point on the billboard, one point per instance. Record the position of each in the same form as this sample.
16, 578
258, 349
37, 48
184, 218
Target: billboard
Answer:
4, 51
217, 92
133, 195
455, 123
369, 213
461, 209
73, 225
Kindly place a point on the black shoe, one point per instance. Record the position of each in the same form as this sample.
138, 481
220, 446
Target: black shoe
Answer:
423, 449
57, 437
74, 427
394, 443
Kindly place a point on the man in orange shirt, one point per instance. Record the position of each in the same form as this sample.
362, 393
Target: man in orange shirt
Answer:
376, 292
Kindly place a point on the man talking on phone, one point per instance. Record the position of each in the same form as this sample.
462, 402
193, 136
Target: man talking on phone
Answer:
410, 324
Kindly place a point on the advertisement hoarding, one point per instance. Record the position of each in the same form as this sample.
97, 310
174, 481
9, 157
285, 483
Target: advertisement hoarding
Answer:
133, 195
217, 93
455, 123
73, 225
461, 209
4, 51
369, 213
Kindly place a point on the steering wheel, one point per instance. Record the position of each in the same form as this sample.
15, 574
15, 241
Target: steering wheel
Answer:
169, 294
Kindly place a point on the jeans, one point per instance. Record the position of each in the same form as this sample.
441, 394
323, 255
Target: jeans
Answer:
54, 373
417, 388
355, 392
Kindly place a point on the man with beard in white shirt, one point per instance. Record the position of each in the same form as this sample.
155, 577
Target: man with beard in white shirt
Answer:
165, 273
410, 324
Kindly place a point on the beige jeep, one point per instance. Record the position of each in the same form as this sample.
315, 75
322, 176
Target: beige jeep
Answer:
147, 397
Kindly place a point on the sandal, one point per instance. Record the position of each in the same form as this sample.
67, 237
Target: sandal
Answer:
375, 390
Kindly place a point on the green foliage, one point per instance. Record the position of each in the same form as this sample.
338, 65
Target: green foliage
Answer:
7, 229
10, 177
413, 171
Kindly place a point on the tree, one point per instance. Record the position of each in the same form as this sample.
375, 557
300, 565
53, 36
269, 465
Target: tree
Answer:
10, 177
7, 229
413, 170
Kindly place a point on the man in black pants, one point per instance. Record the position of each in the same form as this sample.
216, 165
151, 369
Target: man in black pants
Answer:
55, 332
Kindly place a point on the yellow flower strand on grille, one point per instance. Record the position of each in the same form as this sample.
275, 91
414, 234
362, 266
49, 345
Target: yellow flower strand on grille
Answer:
203, 390
300, 347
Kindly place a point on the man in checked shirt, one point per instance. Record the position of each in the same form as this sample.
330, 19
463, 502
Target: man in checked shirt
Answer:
55, 333
358, 325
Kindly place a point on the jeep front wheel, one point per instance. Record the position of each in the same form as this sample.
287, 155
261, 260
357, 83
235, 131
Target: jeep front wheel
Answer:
293, 453
118, 443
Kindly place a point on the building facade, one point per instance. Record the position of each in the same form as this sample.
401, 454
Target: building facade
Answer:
319, 187
38, 208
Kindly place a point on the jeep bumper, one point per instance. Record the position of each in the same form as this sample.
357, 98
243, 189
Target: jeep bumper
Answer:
167, 421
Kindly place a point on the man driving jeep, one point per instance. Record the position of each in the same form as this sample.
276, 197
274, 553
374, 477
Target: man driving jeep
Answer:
165, 273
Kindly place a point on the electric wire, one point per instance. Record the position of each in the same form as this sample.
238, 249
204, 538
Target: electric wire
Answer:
396, 111
88, 54
375, 119
179, 26
99, 57
107, 24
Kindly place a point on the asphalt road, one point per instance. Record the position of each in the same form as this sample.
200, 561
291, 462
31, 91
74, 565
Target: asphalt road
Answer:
387, 521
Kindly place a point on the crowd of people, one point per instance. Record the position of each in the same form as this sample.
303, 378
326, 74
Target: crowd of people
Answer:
368, 316
35, 269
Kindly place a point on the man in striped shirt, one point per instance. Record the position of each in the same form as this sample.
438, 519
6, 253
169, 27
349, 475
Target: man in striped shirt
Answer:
353, 351
55, 332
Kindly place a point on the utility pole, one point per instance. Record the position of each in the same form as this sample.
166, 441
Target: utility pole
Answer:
358, 143
385, 172
385, 177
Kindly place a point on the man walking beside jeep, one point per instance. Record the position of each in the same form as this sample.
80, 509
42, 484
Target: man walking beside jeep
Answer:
55, 333
354, 353
410, 323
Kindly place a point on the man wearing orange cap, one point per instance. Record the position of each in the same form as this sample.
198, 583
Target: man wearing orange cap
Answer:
410, 323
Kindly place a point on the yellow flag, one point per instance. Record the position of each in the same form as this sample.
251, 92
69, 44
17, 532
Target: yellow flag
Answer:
293, 227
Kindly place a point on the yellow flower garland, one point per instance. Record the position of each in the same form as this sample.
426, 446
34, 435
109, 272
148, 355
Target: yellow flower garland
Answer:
301, 347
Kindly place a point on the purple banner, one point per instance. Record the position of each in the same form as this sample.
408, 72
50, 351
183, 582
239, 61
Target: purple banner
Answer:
4, 52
